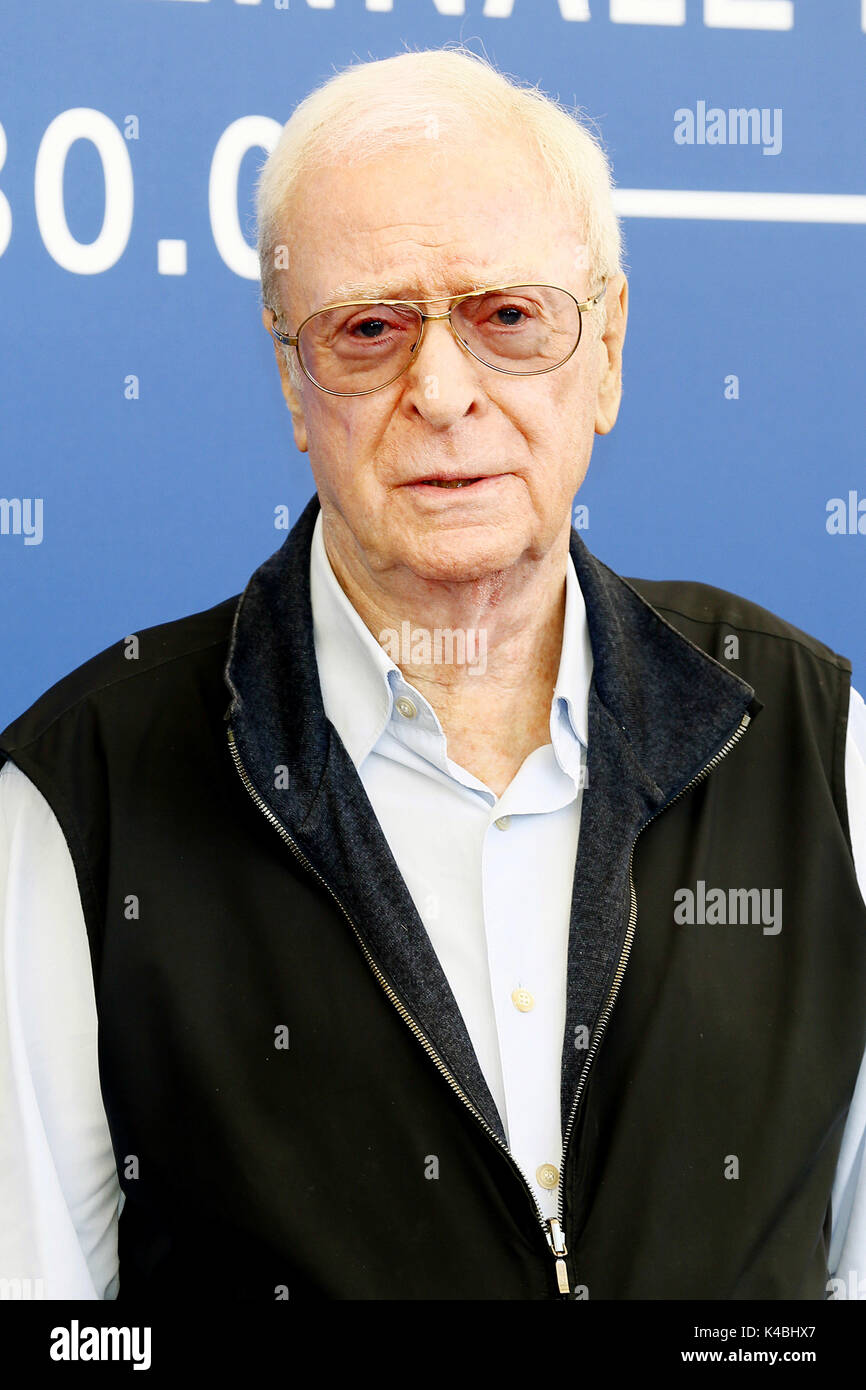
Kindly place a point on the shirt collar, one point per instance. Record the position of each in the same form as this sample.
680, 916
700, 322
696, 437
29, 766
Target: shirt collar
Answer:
658, 705
571, 691
357, 677
353, 667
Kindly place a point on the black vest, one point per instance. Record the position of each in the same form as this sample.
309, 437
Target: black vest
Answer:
295, 1106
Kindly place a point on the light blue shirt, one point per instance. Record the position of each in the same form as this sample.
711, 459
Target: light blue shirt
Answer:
491, 877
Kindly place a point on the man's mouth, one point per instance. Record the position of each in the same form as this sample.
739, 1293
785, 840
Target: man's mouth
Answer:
456, 482
450, 482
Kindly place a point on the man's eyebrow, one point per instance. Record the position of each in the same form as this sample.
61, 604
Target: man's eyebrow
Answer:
414, 293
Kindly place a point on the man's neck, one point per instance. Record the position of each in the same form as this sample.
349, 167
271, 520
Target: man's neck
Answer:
494, 703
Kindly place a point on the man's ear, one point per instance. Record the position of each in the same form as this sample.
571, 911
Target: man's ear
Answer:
290, 390
610, 350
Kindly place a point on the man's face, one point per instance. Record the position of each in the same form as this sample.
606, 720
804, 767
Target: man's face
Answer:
427, 220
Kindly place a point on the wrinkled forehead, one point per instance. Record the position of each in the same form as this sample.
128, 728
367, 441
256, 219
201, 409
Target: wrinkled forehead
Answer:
425, 220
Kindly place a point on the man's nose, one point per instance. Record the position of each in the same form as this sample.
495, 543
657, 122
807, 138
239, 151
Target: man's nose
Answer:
443, 379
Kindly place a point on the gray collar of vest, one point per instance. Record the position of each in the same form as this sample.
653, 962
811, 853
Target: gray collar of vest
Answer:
659, 710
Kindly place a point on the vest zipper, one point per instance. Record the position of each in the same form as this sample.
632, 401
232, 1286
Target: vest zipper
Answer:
550, 1227
626, 951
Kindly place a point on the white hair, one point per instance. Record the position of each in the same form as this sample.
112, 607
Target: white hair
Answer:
370, 107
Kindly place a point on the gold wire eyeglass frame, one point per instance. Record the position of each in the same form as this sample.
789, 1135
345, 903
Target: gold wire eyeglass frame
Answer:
293, 340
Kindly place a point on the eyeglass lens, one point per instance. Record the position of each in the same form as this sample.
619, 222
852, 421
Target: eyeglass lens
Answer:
357, 347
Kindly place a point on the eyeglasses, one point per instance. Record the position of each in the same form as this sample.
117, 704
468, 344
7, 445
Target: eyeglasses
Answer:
354, 348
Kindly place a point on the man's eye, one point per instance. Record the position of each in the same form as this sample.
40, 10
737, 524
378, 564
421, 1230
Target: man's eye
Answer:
374, 326
369, 328
510, 316
496, 312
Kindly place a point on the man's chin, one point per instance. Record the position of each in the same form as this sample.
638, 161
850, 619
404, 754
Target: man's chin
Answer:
454, 559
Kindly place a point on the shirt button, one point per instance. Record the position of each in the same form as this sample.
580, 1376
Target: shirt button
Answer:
406, 707
522, 1000
503, 822
547, 1175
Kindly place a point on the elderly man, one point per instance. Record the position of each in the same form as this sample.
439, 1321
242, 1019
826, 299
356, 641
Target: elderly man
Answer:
464, 921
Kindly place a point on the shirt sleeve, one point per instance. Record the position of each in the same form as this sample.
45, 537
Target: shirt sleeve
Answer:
59, 1192
847, 1257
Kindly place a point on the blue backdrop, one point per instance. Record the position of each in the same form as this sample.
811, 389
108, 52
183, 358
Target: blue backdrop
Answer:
145, 443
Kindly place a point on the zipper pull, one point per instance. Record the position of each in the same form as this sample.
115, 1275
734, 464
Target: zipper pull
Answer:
556, 1240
